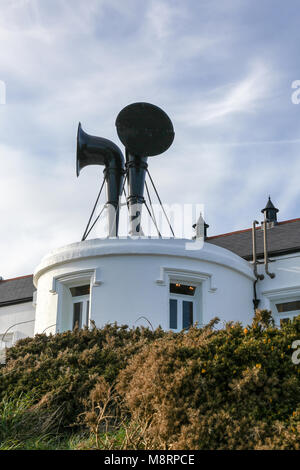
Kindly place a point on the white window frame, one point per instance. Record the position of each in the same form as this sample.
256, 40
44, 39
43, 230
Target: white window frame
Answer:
85, 300
61, 286
280, 296
180, 299
203, 280
290, 314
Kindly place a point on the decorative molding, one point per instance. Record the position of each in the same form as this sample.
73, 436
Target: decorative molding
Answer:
97, 277
282, 292
93, 250
75, 277
184, 275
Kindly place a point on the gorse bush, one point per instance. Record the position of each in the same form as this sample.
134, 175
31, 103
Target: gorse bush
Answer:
63, 369
208, 388
229, 389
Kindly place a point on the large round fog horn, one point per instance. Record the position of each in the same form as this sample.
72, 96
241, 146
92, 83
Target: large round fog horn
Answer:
144, 129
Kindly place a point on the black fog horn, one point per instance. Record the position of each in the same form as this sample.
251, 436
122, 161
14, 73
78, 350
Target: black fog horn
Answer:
92, 150
145, 130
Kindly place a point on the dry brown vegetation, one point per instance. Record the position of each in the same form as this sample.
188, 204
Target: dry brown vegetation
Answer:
208, 388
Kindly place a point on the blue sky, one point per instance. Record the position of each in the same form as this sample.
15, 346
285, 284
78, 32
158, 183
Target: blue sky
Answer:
222, 70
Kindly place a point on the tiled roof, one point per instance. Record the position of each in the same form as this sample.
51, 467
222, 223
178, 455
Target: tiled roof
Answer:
282, 238
17, 290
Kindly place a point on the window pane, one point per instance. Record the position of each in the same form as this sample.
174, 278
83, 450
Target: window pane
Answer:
284, 320
173, 314
187, 314
87, 312
177, 288
80, 290
77, 312
288, 306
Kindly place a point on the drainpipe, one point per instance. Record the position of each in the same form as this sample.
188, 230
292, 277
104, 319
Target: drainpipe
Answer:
266, 259
255, 263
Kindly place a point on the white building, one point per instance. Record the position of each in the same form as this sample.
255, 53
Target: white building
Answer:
17, 309
154, 282
137, 280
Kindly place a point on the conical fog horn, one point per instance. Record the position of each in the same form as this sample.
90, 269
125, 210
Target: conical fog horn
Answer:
145, 130
93, 150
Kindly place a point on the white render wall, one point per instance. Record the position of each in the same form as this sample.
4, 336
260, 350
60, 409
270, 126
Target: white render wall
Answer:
130, 278
18, 313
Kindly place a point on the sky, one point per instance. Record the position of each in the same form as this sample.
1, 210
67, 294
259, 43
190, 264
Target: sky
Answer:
222, 70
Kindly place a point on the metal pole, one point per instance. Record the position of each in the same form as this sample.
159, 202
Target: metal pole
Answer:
255, 262
266, 259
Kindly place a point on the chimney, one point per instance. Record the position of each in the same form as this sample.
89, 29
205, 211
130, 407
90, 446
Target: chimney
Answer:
201, 228
270, 211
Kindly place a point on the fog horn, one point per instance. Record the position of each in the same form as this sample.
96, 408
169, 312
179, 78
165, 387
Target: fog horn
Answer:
93, 150
145, 130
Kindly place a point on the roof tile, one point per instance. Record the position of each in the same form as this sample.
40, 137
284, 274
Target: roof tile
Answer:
283, 237
16, 290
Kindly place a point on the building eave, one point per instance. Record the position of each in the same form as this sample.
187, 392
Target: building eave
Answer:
15, 302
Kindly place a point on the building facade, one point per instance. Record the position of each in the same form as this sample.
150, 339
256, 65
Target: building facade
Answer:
172, 283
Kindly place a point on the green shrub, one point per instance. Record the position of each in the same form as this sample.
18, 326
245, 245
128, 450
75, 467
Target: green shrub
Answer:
208, 388
63, 369
236, 388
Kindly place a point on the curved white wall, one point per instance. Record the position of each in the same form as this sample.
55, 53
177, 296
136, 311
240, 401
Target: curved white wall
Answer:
130, 278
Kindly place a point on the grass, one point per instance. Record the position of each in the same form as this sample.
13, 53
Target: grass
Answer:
49, 442
20, 430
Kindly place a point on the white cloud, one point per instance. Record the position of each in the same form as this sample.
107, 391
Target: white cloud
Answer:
244, 96
161, 16
65, 61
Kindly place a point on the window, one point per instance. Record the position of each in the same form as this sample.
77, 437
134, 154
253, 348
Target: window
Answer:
178, 288
288, 306
286, 311
187, 314
80, 290
81, 305
173, 314
181, 306
284, 320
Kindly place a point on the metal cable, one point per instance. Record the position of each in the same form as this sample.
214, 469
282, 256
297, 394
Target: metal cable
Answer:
152, 210
122, 191
94, 208
169, 223
159, 234
96, 220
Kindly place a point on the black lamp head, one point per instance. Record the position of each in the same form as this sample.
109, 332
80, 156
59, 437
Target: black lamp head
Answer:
144, 129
